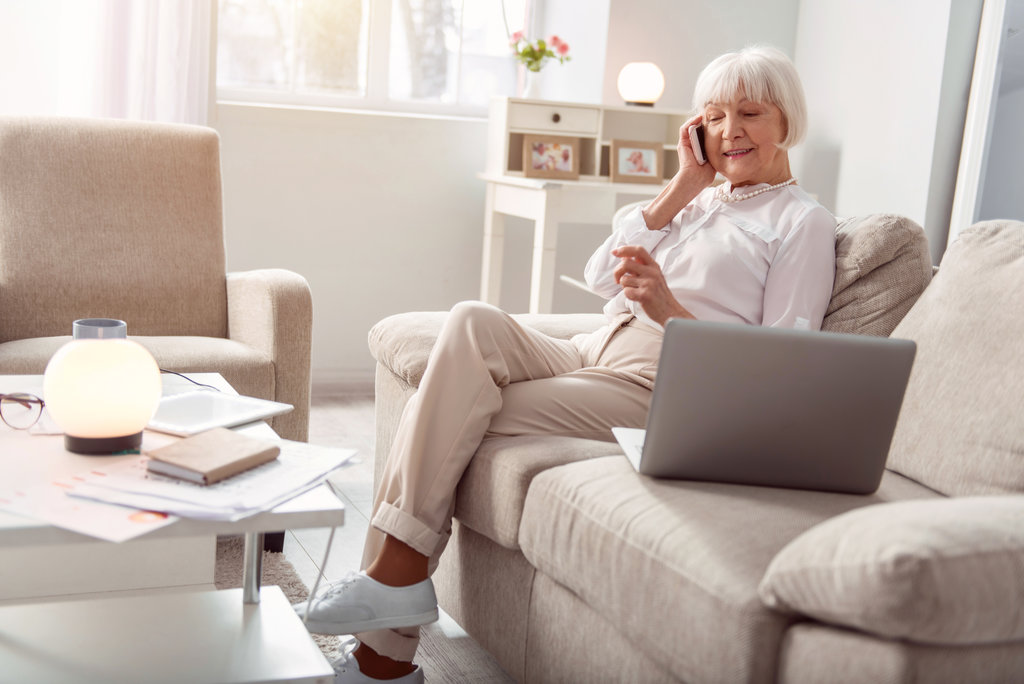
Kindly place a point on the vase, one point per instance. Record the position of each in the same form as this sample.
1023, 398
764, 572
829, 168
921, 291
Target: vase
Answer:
531, 85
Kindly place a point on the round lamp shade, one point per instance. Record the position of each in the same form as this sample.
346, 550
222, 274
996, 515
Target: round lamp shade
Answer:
102, 393
641, 83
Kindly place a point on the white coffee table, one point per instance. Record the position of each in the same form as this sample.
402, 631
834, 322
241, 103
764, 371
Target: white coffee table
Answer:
104, 618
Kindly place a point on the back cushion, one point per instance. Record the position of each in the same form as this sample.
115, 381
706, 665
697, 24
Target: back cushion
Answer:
882, 267
115, 219
961, 428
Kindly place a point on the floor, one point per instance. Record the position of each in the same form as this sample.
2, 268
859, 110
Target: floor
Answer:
347, 421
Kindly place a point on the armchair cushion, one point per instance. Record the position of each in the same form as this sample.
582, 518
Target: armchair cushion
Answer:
938, 571
882, 267
961, 429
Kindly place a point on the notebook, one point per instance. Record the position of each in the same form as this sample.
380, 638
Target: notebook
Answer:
211, 456
772, 407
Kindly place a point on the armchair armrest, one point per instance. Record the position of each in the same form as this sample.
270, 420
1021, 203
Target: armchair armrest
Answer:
271, 310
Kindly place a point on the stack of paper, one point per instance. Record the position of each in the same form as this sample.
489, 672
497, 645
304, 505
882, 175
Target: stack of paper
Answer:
299, 468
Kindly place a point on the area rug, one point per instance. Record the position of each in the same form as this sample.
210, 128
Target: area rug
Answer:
277, 570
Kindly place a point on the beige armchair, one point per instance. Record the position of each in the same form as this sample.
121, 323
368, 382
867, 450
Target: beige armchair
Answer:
120, 219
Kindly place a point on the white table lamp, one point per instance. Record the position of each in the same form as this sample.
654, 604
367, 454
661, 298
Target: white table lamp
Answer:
102, 393
641, 83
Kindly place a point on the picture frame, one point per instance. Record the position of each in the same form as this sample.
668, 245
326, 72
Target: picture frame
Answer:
551, 156
635, 161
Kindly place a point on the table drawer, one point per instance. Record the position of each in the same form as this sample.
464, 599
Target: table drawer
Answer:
554, 118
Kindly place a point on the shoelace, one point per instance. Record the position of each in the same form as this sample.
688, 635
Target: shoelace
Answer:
337, 587
345, 661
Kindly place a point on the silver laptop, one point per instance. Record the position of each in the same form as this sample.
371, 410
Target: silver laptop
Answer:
772, 407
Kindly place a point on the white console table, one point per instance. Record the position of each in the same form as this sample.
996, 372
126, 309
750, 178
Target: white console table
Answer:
591, 199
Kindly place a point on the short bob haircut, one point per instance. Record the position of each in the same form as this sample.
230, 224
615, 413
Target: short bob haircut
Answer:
762, 74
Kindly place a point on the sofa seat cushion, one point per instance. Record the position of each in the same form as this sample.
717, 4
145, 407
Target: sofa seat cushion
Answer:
939, 571
402, 342
882, 267
493, 488
676, 564
249, 371
961, 428
813, 652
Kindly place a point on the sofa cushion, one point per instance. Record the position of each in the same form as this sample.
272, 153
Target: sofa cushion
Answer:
402, 342
493, 488
882, 267
676, 564
961, 428
945, 571
815, 652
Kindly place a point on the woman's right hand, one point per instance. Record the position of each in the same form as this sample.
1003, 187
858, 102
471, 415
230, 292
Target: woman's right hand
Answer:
703, 174
689, 181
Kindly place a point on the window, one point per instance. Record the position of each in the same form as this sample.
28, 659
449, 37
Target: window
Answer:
409, 55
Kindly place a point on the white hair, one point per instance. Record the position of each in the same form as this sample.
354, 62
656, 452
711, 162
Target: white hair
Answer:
762, 74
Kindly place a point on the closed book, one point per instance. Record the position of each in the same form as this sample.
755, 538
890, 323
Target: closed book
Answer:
211, 456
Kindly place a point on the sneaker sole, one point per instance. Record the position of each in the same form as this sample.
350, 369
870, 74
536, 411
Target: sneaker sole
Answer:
318, 627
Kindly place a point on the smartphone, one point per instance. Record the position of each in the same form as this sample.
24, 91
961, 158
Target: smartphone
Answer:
697, 144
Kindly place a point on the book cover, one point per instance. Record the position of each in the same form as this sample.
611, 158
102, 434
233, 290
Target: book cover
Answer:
211, 456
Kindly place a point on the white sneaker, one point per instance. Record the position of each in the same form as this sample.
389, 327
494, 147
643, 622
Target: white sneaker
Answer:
346, 671
359, 603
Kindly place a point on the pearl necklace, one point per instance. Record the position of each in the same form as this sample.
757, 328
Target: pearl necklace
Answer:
726, 197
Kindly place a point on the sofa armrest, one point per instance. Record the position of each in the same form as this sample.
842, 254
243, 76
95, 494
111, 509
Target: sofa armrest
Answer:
271, 310
933, 571
402, 342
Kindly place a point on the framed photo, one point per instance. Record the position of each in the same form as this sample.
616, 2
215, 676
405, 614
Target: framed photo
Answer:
636, 162
551, 156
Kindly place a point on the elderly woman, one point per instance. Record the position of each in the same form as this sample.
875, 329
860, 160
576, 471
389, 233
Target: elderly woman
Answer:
756, 249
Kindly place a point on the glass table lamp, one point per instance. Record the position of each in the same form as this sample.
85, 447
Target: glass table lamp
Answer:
102, 393
641, 83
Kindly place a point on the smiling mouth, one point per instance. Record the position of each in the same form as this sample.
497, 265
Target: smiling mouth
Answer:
732, 154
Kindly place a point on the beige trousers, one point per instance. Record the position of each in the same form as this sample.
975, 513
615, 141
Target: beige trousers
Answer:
488, 375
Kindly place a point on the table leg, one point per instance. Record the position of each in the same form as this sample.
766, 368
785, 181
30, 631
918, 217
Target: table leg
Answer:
494, 250
545, 241
252, 567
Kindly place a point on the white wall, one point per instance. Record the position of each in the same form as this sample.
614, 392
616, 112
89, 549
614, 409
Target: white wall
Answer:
887, 86
381, 214
384, 214
683, 36
1002, 196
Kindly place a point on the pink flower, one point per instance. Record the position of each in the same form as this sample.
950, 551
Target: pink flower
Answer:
516, 37
554, 41
562, 48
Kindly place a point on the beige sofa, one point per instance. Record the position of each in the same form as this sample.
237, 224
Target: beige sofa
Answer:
569, 567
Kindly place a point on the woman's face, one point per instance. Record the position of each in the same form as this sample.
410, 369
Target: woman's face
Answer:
741, 139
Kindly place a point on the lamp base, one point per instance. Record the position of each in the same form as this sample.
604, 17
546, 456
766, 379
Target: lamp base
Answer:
639, 104
102, 445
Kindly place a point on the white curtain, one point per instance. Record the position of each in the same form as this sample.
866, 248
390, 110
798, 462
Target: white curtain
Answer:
134, 59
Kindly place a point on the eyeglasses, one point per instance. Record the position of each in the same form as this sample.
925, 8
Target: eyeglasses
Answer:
20, 410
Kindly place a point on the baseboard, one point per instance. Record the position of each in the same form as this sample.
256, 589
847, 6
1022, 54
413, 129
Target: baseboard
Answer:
331, 383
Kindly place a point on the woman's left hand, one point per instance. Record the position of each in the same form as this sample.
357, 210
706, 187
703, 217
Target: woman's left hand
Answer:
642, 281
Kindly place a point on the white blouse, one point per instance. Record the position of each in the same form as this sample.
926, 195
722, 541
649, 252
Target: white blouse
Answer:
768, 260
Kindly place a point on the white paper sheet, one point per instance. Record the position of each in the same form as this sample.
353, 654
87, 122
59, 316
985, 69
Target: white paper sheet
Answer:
297, 469
49, 502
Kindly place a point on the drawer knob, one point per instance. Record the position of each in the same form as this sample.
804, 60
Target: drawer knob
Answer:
556, 117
